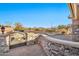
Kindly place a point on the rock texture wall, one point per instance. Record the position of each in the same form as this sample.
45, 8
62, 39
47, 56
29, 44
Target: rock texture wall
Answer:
21, 37
56, 49
3, 46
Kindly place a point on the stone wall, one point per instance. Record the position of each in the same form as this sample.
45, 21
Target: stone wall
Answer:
21, 37
5, 42
53, 48
3, 46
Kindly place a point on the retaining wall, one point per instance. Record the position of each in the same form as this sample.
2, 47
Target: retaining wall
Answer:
58, 47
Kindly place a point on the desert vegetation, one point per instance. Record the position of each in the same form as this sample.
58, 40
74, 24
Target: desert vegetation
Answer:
58, 29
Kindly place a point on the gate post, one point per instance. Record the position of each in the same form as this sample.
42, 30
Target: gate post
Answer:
75, 30
26, 37
74, 10
3, 46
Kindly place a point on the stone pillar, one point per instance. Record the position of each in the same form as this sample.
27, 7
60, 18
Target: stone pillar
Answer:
3, 46
75, 30
26, 37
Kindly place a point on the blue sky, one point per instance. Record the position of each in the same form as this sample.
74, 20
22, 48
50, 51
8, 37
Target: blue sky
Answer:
34, 14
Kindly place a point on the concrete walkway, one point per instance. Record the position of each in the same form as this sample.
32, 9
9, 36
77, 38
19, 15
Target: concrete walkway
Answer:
32, 50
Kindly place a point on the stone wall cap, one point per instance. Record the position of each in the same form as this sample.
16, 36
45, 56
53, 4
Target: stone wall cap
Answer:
64, 42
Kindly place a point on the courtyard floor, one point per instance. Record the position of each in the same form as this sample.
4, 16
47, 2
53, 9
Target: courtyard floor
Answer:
32, 50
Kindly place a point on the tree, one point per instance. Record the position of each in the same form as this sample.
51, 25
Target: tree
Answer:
18, 27
36, 29
61, 26
0, 25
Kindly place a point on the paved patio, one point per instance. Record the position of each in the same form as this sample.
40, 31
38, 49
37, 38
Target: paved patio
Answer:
32, 50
